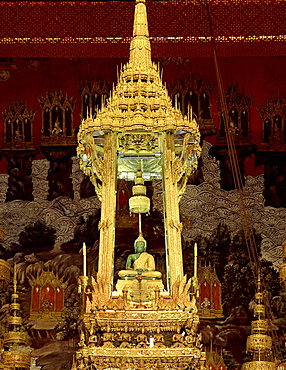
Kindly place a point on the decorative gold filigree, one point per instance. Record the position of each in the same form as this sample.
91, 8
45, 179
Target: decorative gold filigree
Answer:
142, 358
16, 358
259, 343
259, 326
181, 295
108, 206
136, 142
259, 365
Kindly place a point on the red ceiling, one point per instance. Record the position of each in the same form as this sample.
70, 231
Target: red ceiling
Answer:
178, 28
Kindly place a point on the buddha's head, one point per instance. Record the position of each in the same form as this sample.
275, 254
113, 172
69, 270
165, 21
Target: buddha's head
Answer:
140, 244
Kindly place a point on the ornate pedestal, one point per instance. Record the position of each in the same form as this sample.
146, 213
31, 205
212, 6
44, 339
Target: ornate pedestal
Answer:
60, 182
121, 333
19, 169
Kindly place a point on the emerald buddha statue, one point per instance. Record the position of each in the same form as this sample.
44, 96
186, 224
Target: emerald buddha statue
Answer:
140, 263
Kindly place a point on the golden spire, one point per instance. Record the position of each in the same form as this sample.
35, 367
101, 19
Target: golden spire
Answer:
16, 351
140, 48
15, 305
258, 342
15, 279
139, 100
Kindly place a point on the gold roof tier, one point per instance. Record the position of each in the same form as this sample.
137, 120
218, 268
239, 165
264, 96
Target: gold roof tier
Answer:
17, 359
15, 337
139, 101
15, 320
15, 306
259, 343
259, 327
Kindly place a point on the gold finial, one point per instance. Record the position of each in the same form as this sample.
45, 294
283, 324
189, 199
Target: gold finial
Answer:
15, 279
258, 282
259, 295
140, 48
258, 342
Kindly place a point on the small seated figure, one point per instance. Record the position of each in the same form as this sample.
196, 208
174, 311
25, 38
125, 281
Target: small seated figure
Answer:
206, 303
57, 128
140, 263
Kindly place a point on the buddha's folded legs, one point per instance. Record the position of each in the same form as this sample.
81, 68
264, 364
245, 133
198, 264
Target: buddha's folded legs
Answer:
124, 273
152, 274
132, 273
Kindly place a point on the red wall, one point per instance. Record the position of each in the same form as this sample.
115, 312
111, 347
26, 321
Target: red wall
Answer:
260, 76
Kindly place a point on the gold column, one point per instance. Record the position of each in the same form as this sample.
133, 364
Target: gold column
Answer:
172, 217
108, 204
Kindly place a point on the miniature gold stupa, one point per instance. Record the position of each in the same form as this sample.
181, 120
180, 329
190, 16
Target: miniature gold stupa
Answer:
259, 343
140, 322
16, 353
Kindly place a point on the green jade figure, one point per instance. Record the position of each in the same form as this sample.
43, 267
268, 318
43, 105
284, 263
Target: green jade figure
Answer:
140, 263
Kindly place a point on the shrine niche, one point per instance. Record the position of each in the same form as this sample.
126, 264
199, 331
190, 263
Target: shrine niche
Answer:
57, 118
58, 141
18, 149
192, 96
209, 305
238, 106
273, 117
18, 127
272, 151
47, 298
93, 96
